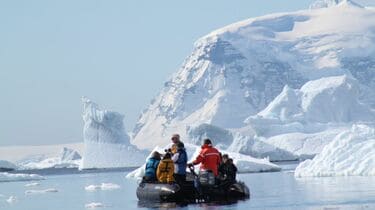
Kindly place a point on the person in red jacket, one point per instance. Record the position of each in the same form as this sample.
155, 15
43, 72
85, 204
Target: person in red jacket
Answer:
209, 157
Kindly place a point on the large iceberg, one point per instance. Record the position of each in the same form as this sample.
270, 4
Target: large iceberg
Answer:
351, 153
107, 145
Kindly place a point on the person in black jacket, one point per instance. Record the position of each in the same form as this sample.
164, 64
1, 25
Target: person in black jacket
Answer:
227, 170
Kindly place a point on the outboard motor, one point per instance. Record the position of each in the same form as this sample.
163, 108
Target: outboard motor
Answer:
206, 178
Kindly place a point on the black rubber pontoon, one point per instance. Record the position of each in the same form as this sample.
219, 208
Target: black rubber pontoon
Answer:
162, 192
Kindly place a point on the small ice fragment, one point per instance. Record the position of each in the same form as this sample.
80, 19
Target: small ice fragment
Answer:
50, 190
32, 184
12, 199
103, 186
94, 205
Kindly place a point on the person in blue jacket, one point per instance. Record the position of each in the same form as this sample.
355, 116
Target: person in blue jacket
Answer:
151, 166
180, 162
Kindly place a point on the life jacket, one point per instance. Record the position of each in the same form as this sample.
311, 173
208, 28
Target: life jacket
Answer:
165, 170
180, 161
151, 166
209, 158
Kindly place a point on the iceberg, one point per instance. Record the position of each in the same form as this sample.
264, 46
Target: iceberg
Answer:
351, 153
7, 166
10, 177
67, 158
107, 145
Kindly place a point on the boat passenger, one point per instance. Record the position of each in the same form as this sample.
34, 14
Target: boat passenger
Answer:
172, 147
209, 157
151, 167
227, 170
180, 163
165, 170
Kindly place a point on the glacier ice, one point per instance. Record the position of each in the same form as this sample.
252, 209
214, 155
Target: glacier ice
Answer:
107, 145
237, 71
351, 153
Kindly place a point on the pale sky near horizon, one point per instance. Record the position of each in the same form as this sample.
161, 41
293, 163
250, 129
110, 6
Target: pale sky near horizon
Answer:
117, 53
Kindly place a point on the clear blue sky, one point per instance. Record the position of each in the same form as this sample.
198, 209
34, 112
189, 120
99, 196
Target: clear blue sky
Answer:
118, 53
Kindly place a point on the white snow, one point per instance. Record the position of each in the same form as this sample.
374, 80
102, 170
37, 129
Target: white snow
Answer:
306, 75
49, 190
102, 186
9, 177
351, 153
106, 143
12, 199
94, 205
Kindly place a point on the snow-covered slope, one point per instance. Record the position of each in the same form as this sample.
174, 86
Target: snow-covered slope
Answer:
107, 144
350, 153
236, 71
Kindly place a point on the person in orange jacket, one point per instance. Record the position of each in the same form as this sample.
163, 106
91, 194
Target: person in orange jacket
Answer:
209, 157
165, 170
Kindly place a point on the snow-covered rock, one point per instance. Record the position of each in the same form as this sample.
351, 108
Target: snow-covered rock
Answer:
350, 153
9, 177
107, 145
236, 71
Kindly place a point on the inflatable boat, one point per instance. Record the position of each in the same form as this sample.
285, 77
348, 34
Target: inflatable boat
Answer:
187, 192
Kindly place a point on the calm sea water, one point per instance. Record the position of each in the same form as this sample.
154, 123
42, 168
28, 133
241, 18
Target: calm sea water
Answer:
278, 190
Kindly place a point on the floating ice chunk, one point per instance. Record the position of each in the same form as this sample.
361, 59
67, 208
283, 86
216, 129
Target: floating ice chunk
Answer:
32, 184
351, 153
12, 199
94, 205
8, 177
103, 186
50, 190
